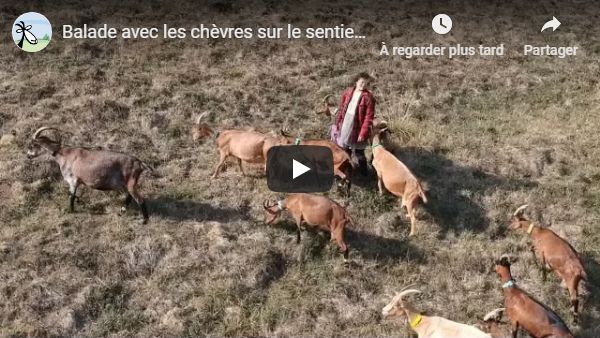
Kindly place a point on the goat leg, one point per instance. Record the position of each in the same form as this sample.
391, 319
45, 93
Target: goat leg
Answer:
573, 285
72, 195
72, 202
132, 190
535, 259
219, 166
515, 330
544, 271
144, 211
241, 167
128, 200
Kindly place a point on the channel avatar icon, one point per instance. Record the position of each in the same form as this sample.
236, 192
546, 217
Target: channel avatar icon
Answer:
32, 32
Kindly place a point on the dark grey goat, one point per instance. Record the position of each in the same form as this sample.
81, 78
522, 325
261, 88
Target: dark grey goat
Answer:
97, 169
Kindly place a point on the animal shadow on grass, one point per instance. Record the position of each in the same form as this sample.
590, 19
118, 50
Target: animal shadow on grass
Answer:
183, 210
366, 245
382, 249
590, 306
451, 188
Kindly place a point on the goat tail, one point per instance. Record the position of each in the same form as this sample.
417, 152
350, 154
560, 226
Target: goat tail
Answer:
421, 192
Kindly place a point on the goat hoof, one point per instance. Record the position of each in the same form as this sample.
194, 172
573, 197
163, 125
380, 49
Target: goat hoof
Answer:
575, 318
145, 221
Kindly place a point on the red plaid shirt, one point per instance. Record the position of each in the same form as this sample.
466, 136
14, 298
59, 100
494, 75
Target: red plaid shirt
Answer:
363, 118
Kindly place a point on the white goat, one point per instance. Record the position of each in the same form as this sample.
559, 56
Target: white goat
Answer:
429, 326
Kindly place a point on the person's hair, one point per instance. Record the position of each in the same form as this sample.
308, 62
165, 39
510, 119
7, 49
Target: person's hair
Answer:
363, 75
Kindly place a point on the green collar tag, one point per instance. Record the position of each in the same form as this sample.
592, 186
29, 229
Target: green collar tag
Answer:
297, 142
509, 284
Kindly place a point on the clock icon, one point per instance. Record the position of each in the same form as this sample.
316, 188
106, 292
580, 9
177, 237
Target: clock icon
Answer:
441, 24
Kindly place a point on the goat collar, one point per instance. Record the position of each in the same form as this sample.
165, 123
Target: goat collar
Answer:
416, 321
531, 226
297, 142
376, 145
280, 205
509, 284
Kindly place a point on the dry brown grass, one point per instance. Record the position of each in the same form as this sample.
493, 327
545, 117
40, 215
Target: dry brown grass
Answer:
486, 134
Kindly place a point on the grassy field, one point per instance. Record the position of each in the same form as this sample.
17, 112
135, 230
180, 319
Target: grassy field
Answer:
486, 135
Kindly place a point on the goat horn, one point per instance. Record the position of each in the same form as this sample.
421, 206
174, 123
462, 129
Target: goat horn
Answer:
408, 292
520, 210
408, 286
404, 293
201, 117
326, 98
40, 130
267, 207
510, 258
493, 314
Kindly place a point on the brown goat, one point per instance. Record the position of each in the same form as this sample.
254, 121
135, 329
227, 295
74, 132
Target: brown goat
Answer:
97, 169
396, 177
524, 311
316, 211
554, 252
325, 107
201, 130
342, 162
245, 146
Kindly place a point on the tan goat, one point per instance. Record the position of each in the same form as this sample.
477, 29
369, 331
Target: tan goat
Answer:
428, 326
316, 211
245, 146
396, 177
327, 108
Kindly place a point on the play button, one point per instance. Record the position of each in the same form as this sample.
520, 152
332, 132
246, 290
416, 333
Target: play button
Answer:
299, 168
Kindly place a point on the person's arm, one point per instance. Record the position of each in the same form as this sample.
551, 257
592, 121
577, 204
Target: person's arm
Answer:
368, 121
340, 113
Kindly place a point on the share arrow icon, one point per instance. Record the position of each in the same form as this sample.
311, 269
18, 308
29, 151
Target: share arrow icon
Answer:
298, 169
554, 23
